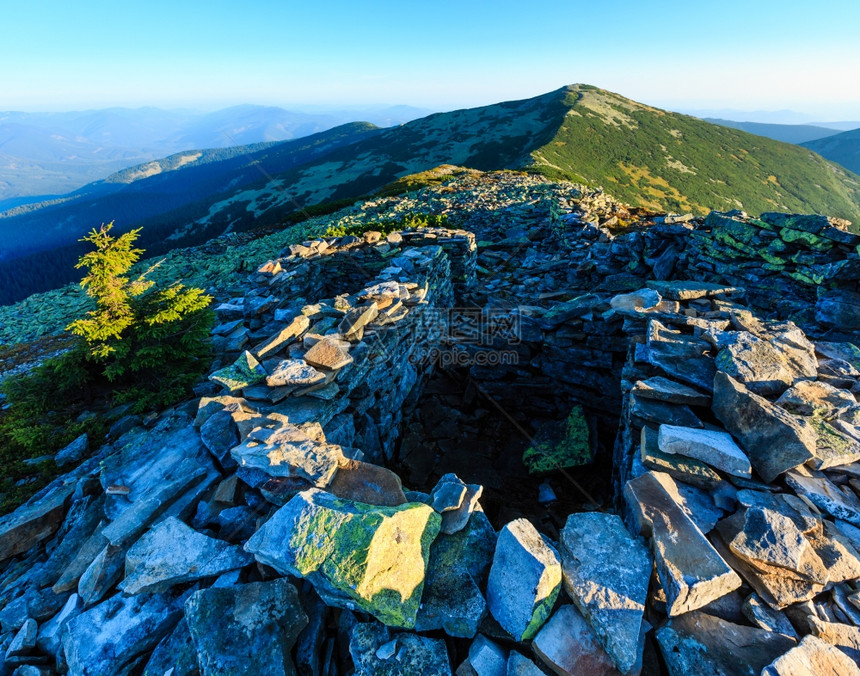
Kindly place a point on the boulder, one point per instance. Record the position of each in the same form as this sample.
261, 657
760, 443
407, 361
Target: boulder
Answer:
812, 656
669, 391
290, 452
606, 574
49, 638
524, 581
175, 655
456, 572
294, 373
698, 643
108, 637
171, 553
74, 452
246, 629
356, 555
774, 440
328, 354
377, 651
567, 645
681, 357
693, 574
364, 482
34, 521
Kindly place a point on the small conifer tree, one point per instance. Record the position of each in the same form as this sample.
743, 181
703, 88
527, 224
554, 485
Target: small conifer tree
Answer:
153, 343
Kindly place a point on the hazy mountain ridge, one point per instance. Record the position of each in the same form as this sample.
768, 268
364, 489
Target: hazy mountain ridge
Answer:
787, 133
52, 153
841, 148
639, 154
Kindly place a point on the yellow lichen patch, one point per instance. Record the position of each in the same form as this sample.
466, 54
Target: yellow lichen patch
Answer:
771, 179
392, 553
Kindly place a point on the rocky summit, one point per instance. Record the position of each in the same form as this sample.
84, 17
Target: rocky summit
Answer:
557, 435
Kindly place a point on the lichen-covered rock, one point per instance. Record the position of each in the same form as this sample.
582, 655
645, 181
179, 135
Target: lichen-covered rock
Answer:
560, 445
246, 629
456, 572
356, 555
524, 581
244, 372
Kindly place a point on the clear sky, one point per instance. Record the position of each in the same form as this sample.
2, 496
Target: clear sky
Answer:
439, 54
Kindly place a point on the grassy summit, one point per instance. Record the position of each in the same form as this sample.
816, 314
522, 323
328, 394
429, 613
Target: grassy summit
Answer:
650, 157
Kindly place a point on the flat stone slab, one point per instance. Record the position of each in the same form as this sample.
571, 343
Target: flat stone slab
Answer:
171, 553
812, 397
663, 389
33, 521
714, 448
294, 373
328, 354
291, 453
568, 647
692, 572
606, 574
812, 656
282, 338
524, 582
698, 643
826, 495
682, 357
679, 467
764, 367
687, 290
108, 637
246, 629
774, 440
356, 555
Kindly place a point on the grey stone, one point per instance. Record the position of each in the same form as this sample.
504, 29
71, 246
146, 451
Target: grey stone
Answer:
827, 496
49, 638
679, 467
329, 354
606, 574
846, 637
175, 655
25, 640
74, 452
663, 389
816, 398
34, 521
244, 372
456, 572
520, 665
714, 448
102, 574
567, 645
247, 629
282, 338
487, 657
636, 301
692, 572
171, 553
106, 638
765, 617
524, 581
774, 440
812, 656
294, 373
681, 357
290, 452
405, 653
219, 435
698, 643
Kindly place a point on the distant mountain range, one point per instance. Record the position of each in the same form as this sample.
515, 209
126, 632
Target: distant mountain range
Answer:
52, 153
642, 155
789, 133
841, 148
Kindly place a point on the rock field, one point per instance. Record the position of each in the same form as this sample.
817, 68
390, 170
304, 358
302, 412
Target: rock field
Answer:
559, 437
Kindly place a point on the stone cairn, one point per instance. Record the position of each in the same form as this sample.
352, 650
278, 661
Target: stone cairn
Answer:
257, 529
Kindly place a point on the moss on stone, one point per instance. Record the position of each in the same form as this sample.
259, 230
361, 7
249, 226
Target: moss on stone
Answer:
560, 446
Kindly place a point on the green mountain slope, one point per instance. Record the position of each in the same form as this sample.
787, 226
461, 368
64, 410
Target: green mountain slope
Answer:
842, 148
651, 157
641, 155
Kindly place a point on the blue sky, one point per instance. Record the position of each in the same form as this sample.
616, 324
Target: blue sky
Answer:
756, 54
